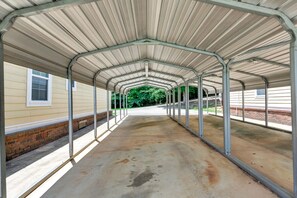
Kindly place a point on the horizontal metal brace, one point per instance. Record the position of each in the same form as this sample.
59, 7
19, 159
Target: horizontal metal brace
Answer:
146, 61
123, 75
150, 78
141, 77
214, 75
157, 72
132, 73
144, 80
135, 86
231, 79
206, 85
252, 74
146, 42
145, 83
262, 60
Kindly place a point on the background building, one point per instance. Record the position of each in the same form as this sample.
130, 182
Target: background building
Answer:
279, 104
36, 108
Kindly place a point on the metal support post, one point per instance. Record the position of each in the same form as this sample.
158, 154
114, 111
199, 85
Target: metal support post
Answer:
70, 112
200, 105
126, 104
115, 106
173, 98
170, 103
166, 93
187, 105
242, 104
95, 108
2, 123
226, 109
179, 105
293, 62
107, 109
198, 102
266, 103
216, 102
120, 98
206, 101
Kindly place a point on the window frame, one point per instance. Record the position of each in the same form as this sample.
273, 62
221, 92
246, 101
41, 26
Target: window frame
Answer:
38, 103
259, 96
74, 88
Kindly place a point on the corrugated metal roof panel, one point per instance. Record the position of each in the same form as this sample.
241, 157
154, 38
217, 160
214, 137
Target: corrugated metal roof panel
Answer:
19, 4
48, 41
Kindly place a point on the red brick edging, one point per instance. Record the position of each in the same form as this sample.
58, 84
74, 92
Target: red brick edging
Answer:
24, 141
276, 116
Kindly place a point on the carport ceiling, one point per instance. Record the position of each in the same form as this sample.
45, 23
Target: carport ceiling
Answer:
48, 35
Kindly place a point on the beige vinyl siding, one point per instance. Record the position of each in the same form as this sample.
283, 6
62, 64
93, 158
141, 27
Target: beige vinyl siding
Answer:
278, 98
17, 112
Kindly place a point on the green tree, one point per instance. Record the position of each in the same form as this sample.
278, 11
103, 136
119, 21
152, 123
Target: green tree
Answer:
193, 92
147, 96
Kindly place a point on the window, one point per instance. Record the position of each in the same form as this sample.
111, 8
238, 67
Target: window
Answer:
73, 85
260, 92
39, 88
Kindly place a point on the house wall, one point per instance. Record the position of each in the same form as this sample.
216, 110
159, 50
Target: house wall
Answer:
279, 105
19, 116
29, 127
278, 99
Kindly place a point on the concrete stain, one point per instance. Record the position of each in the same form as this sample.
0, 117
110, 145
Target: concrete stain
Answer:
187, 164
124, 161
212, 173
249, 134
147, 124
84, 172
284, 145
143, 194
142, 178
132, 174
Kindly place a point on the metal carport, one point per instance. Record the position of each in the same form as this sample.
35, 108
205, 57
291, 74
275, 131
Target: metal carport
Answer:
107, 43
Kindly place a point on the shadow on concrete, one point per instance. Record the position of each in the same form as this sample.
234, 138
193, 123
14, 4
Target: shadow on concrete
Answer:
26, 159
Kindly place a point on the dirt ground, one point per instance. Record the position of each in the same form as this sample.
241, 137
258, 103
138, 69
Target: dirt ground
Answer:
153, 156
268, 151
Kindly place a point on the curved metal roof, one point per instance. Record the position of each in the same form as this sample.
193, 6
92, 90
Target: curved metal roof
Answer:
177, 39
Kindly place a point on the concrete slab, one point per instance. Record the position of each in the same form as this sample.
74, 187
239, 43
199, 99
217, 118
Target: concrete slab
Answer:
266, 150
26, 170
152, 156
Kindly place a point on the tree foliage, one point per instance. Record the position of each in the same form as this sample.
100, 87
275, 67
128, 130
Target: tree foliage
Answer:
147, 96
